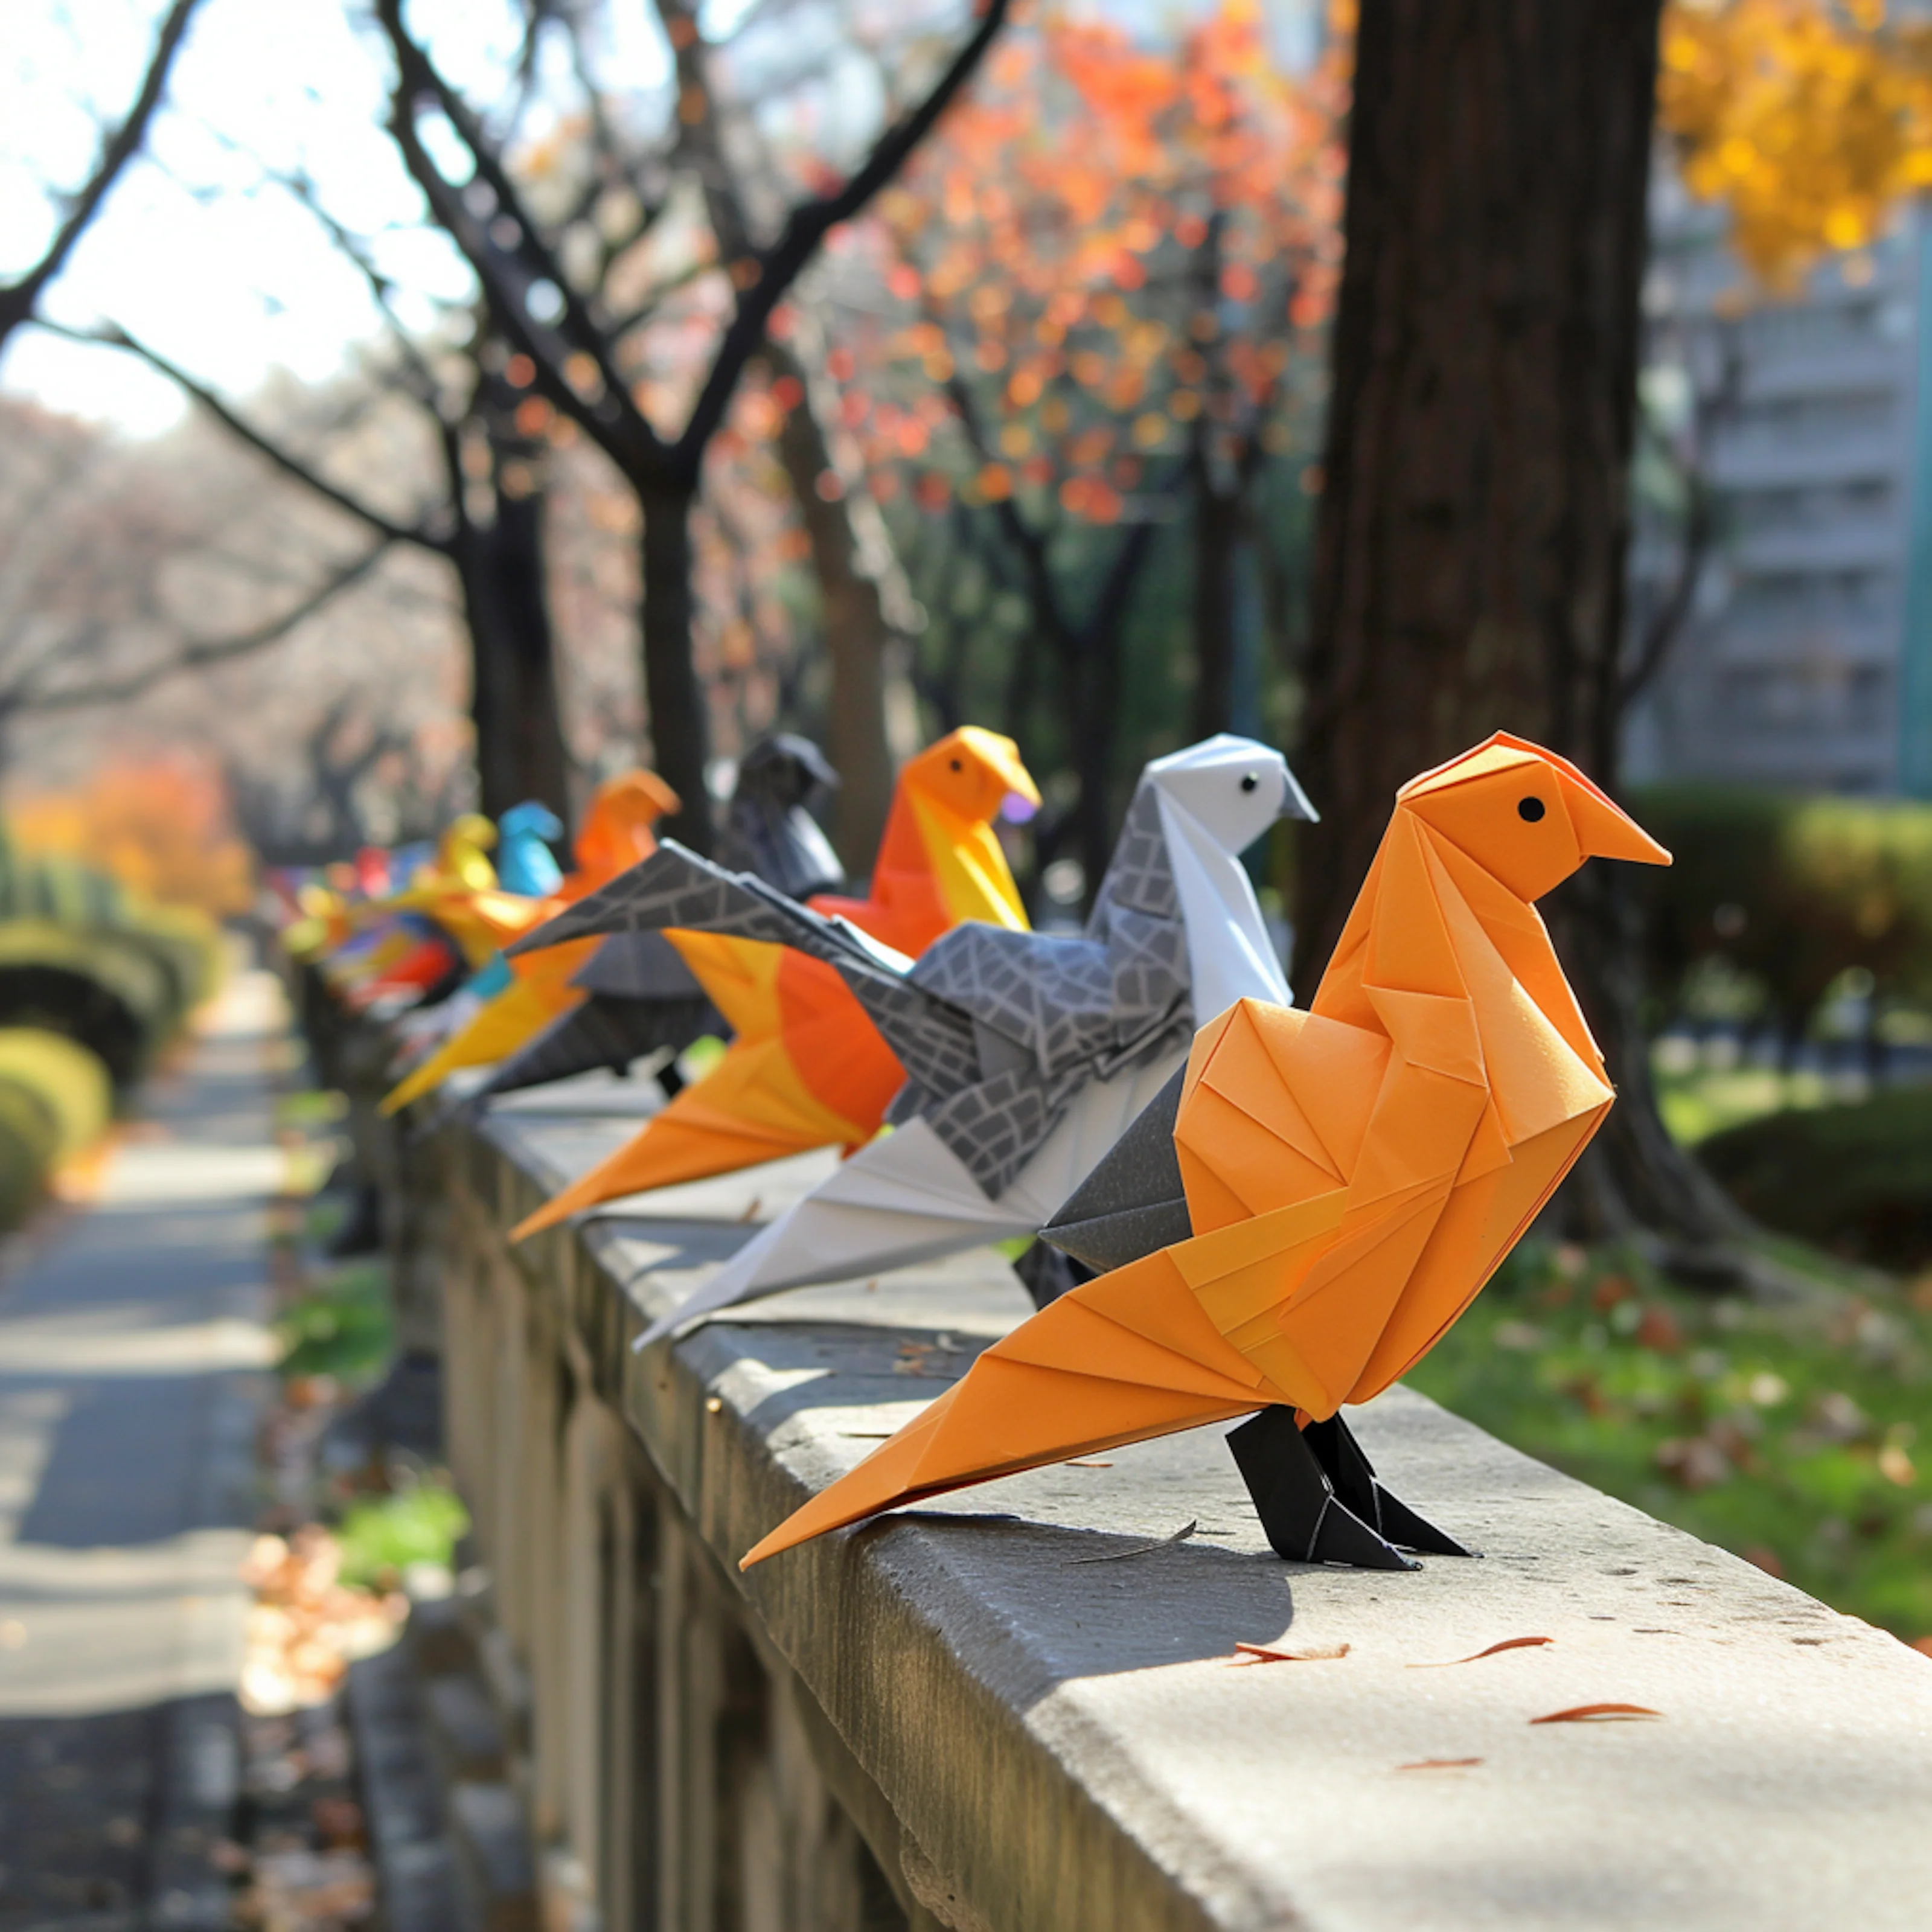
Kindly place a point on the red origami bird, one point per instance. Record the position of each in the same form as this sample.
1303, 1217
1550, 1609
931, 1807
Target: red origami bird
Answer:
1346, 1178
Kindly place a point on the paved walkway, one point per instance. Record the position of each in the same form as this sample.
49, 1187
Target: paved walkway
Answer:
133, 1338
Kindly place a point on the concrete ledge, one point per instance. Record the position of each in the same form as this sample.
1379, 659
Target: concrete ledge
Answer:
1030, 1742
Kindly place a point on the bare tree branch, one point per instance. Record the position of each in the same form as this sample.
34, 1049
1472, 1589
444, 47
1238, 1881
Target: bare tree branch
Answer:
112, 336
19, 299
197, 656
510, 272
809, 222
1667, 618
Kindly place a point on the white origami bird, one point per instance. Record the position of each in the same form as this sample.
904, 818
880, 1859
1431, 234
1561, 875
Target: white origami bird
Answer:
1029, 1053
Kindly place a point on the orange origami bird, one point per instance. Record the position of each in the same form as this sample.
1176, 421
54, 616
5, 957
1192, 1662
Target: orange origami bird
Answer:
1352, 1175
616, 834
806, 1068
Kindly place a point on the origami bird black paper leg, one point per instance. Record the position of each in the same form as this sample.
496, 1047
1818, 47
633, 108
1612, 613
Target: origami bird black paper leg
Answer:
1347, 1466
1318, 1498
1047, 1274
1306, 1520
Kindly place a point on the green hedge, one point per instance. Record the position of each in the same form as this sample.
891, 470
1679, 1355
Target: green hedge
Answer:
1791, 890
69, 1081
1856, 1179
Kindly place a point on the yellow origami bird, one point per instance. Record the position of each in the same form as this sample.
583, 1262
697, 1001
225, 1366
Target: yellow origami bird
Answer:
616, 834
805, 1068
1352, 1175
458, 889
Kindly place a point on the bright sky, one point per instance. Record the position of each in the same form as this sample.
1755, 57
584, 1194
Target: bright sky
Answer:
192, 253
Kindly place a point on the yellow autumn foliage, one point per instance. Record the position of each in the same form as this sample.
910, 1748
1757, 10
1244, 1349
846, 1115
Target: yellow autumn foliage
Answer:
1811, 120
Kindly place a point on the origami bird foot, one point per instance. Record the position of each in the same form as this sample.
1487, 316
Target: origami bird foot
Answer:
1046, 1274
1316, 1494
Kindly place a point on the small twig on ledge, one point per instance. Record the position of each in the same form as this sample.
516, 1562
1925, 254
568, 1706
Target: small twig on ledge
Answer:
1181, 1535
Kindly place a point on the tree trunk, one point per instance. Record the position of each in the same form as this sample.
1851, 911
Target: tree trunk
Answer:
680, 734
858, 641
1217, 515
519, 747
1469, 554
1217, 536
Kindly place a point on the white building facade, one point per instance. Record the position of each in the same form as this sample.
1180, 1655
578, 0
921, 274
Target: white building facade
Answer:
1804, 659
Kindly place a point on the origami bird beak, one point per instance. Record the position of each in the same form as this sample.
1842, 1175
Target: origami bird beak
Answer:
1606, 831
1022, 798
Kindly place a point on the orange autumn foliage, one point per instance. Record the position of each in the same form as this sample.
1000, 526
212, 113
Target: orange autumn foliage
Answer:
1110, 253
161, 828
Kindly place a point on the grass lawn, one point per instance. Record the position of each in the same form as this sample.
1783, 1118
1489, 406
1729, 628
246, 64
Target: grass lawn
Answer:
341, 1327
1798, 1435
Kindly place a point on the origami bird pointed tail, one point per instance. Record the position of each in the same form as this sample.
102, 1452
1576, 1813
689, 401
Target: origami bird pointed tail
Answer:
750, 1108
670, 1150
514, 1016
1121, 1359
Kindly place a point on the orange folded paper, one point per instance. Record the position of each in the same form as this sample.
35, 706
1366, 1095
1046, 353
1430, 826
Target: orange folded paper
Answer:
806, 1067
616, 834
1354, 1174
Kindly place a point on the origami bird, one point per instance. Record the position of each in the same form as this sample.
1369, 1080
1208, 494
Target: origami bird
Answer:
1351, 1175
525, 864
639, 997
459, 889
1029, 1053
537, 990
805, 1068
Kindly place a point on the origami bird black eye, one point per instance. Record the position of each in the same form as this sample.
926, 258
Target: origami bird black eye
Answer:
956, 765
1249, 781
1532, 808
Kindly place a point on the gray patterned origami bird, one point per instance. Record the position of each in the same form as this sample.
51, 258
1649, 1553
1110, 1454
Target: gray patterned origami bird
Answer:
1026, 1054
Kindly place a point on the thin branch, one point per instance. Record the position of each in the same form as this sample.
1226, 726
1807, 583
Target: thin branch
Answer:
577, 332
19, 299
112, 336
1699, 531
808, 223
199, 655
424, 386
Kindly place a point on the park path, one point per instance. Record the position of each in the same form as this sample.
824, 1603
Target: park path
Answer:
133, 1340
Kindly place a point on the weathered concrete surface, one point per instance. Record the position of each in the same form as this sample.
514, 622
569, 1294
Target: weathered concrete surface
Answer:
1040, 1743
133, 1336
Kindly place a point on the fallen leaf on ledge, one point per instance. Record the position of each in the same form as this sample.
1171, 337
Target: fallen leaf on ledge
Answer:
1263, 1653
1583, 1714
1181, 1535
1086, 1462
1508, 1643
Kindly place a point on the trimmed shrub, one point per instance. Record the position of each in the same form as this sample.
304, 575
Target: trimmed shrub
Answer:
72, 1082
29, 1135
1856, 1179
1792, 891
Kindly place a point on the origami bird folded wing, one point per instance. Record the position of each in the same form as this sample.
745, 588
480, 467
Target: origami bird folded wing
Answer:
1352, 1175
640, 998
806, 1069
1028, 1054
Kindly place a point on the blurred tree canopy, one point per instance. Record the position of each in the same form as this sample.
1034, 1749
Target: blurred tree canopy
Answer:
1096, 370
1810, 120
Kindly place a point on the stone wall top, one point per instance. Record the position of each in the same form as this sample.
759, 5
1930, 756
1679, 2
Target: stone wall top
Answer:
1067, 1745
